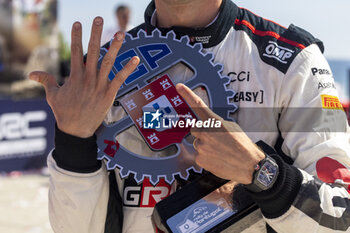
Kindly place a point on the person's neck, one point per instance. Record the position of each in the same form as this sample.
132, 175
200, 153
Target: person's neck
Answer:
186, 13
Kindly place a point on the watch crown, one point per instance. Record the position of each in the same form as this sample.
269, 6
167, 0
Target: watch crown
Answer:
257, 167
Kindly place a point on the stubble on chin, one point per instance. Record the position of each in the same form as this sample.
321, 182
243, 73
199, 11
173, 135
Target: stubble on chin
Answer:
177, 2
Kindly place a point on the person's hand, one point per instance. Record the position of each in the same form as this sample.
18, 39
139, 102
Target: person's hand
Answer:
81, 104
226, 152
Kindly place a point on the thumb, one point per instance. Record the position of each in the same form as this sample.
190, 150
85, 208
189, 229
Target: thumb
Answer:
195, 102
46, 79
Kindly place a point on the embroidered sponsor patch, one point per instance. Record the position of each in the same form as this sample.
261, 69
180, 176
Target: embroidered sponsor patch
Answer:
275, 51
331, 102
144, 194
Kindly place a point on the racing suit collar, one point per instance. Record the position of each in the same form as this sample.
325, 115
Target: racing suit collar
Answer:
208, 36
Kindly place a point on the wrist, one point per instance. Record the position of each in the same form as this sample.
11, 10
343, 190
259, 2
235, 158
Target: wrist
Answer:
76, 154
265, 171
81, 132
277, 200
264, 176
259, 156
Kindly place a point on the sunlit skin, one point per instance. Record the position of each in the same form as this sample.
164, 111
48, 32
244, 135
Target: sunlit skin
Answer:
228, 152
81, 104
186, 13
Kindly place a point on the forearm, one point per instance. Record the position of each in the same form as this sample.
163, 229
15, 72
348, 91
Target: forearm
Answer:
79, 187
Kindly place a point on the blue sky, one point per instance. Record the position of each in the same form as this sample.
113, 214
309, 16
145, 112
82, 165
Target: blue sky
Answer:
325, 19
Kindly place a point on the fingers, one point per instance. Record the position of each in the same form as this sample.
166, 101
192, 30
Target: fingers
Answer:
94, 46
47, 80
76, 50
204, 147
109, 59
198, 106
201, 161
196, 132
195, 142
195, 102
120, 78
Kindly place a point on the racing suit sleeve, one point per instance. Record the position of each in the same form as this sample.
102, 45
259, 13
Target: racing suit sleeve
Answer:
78, 187
312, 195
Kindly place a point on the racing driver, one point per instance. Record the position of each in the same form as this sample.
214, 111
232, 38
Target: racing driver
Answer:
277, 74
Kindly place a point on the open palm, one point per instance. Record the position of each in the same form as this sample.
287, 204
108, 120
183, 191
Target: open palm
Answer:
81, 104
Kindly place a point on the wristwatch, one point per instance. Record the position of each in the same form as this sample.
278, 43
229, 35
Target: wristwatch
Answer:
264, 176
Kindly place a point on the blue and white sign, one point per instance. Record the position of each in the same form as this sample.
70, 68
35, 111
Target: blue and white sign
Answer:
201, 216
26, 134
158, 114
151, 120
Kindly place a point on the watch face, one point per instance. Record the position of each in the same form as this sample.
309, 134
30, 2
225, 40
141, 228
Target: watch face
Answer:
266, 174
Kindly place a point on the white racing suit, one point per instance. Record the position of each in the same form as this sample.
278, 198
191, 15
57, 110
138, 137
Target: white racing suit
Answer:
286, 97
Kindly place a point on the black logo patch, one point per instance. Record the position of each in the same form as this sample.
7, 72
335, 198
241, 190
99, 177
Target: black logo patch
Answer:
277, 52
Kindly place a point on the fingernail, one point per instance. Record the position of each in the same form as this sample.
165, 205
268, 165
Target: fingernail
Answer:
76, 25
135, 60
34, 77
178, 87
120, 35
98, 21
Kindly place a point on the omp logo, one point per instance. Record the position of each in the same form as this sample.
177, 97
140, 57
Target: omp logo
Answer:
331, 102
18, 136
145, 195
275, 51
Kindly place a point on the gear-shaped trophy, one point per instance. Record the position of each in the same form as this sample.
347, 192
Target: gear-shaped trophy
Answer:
157, 54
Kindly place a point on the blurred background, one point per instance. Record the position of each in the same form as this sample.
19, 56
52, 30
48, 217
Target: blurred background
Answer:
35, 35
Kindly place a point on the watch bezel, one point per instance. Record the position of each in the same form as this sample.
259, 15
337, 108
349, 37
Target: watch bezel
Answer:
266, 163
257, 185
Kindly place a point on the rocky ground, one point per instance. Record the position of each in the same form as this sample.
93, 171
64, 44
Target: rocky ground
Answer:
23, 204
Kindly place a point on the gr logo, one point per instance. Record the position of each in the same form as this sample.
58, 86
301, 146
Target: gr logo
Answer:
275, 51
145, 194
